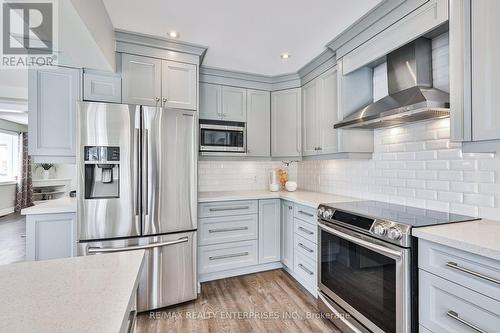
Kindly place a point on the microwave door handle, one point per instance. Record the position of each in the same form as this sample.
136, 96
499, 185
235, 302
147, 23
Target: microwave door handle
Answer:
94, 250
371, 246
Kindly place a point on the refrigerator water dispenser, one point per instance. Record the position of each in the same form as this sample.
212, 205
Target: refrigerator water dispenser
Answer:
102, 172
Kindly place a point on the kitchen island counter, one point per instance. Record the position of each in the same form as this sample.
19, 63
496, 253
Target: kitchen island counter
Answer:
80, 294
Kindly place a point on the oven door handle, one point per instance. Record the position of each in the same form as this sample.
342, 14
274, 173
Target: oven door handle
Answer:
371, 246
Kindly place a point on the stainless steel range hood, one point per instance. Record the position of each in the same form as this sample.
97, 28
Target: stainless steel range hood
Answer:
411, 95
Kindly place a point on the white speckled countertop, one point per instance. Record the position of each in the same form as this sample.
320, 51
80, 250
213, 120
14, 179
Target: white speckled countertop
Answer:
79, 294
62, 205
307, 198
479, 237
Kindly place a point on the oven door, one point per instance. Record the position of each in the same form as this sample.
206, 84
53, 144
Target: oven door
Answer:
368, 278
221, 138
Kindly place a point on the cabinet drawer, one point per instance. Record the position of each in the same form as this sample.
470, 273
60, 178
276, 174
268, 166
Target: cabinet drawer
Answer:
475, 272
220, 257
446, 307
306, 214
306, 230
305, 269
224, 229
228, 208
306, 247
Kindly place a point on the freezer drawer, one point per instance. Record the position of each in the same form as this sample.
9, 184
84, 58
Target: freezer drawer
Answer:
169, 275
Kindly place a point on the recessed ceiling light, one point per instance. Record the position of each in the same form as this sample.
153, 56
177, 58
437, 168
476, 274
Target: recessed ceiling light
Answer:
285, 56
173, 34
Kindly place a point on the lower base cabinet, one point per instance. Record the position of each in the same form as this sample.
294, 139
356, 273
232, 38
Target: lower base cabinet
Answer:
50, 236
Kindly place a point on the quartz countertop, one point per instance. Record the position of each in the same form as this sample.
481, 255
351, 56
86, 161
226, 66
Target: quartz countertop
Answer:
307, 198
480, 237
79, 294
61, 205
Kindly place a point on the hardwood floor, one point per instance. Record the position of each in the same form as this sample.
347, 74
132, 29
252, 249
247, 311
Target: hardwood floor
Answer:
233, 304
12, 239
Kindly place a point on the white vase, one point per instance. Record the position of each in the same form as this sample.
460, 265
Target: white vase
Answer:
45, 174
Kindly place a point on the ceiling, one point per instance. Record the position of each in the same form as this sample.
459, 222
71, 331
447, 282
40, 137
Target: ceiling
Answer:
246, 36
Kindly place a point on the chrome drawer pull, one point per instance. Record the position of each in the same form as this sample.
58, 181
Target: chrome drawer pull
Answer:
305, 248
454, 265
305, 269
242, 254
227, 229
306, 213
228, 208
455, 316
306, 231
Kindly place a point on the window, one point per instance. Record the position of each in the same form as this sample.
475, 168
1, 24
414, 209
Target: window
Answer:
9, 155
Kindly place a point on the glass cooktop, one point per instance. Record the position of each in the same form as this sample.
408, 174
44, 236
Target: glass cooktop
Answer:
415, 217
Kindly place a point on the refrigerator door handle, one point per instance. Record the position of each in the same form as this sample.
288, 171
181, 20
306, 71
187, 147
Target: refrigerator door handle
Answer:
145, 171
136, 190
94, 250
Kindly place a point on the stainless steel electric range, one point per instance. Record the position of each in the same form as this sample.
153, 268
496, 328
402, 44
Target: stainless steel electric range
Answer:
368, 264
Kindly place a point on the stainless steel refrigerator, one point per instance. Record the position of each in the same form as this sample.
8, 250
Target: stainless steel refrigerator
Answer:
137, 169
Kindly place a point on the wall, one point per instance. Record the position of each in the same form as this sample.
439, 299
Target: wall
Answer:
415, 165
238, 175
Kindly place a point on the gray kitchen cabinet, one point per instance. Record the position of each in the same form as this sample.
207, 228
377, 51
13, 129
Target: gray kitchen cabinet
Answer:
286, 123
179, 82
234, 104
52, 98
320, 113
310, 135
141, 80
475, 74
100, 87
269, 231
287, 234
258, 123
50, 236
210, 101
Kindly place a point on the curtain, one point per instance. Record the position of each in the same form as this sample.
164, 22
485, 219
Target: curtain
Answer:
24, 192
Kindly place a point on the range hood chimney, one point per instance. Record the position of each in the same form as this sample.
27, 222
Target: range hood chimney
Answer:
411, 95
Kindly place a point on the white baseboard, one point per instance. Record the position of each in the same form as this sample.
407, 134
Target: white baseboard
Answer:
6, 211
239, 271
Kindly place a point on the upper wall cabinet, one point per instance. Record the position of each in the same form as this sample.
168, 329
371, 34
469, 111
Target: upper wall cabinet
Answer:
223, 102
179, 83
156, 82
258, 123
475, 72
52, 98
141, 80
102, 87
286, 123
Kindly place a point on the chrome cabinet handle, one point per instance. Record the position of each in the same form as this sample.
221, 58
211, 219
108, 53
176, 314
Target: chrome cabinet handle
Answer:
305, 248
306, 231
306, 270
242, 254
228, 208
455, 316
305, 213
157, 100
227, 229
92, 250
455, 266
165, 100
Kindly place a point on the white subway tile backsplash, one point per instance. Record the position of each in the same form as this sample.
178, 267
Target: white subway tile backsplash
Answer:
479, 200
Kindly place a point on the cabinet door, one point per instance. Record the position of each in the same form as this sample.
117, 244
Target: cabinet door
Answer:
52, 98
287, 234
310, 119
328, 112
286, 123
141, 80
102, 88
258, 123
210, 101
234, 104
485, 69
179, 82
269, 231
50, 236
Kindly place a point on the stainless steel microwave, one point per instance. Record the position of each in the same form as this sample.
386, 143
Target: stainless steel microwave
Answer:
222, 137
